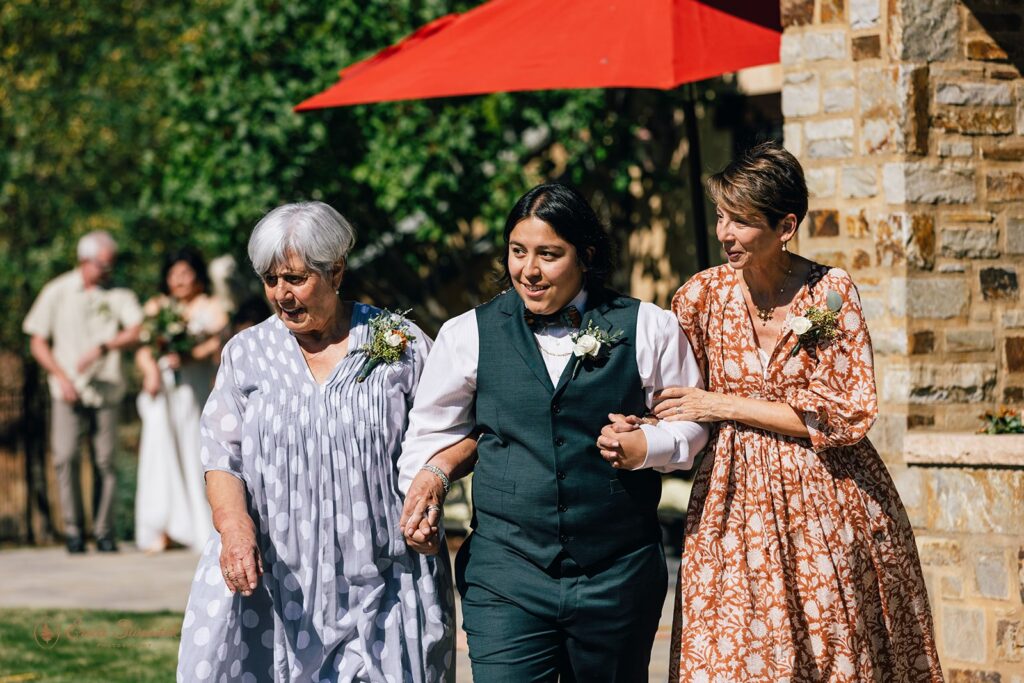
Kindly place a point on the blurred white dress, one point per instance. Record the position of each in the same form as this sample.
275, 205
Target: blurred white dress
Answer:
170, 496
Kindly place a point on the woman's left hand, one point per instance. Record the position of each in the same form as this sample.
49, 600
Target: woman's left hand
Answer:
421, 513
689, 404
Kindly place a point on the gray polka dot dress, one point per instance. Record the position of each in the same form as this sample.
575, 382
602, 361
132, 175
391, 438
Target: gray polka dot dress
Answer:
342, 597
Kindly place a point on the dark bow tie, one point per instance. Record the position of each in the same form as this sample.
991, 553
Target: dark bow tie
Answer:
567, 317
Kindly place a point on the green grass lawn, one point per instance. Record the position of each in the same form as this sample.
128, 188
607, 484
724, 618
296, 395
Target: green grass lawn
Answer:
76, 646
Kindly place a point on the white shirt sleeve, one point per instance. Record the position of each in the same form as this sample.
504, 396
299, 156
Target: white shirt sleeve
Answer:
442, 413
664, 358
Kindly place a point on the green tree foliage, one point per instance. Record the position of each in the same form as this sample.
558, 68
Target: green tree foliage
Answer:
174, 124
78, 111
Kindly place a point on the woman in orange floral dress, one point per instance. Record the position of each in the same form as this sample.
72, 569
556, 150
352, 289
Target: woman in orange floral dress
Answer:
799, 560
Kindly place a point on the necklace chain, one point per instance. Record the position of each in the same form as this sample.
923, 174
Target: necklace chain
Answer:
548, 352
765, 315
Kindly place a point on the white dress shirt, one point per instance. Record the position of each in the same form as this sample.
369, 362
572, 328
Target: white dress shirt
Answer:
442, 413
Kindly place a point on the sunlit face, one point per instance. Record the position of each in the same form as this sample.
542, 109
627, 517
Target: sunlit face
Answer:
98, 270
182, 283
304, 300
748, 244
545, 269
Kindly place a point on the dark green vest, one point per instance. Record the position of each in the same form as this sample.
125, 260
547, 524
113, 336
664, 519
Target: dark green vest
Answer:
540, 484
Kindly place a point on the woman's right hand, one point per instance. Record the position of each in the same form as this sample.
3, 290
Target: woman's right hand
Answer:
421, 513
240, 561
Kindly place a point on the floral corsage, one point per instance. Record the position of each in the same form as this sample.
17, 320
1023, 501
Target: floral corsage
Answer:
592, 343
817, 325
389, 338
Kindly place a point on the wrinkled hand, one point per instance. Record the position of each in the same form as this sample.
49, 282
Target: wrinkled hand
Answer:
623, 450
240, 561
688, 404
151, 383
67, 390
420, 525
88, 358
625, 423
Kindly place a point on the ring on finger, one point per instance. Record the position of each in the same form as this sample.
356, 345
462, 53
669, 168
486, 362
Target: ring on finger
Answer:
433, 506
679, 410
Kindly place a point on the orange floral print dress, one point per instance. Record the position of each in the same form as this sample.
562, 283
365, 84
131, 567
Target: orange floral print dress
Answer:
799, 561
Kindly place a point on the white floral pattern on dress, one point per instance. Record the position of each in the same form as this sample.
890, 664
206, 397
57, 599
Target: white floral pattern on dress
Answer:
799, 560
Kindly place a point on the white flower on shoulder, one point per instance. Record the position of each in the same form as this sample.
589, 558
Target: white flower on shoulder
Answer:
586, 345
394, 340
800, 325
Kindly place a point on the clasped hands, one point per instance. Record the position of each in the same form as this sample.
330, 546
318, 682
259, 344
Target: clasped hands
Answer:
622, 443
421, 513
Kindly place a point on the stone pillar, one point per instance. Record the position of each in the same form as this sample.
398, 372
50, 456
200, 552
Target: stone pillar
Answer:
908, 116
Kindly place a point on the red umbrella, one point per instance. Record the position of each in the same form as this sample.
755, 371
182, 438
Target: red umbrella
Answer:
509, 45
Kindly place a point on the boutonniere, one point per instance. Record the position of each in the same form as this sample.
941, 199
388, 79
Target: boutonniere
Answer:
817, 325
592, 343
389, 338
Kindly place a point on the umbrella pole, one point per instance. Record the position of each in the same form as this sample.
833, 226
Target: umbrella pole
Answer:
700, 228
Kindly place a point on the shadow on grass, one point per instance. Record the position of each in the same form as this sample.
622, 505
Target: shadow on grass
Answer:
72, 646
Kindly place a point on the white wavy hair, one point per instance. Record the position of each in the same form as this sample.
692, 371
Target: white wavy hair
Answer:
92, 243
313, 231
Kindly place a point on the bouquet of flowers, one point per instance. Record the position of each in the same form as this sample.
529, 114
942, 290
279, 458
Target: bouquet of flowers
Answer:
165, 330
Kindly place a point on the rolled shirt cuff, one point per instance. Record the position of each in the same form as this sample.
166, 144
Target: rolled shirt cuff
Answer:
661, 446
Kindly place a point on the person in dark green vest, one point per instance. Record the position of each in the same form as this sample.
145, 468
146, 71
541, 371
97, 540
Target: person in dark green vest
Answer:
564, 576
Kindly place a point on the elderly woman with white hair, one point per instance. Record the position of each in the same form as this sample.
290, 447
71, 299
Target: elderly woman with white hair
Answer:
308, 576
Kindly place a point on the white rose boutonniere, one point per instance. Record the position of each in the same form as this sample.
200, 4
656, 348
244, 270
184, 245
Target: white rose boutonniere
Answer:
592, 343
586, 345
817, 325
389, 338
800, 325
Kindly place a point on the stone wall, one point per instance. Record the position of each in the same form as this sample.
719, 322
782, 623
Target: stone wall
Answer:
908, 116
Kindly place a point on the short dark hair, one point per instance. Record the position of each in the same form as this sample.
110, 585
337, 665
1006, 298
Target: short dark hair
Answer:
765, 182
572, 218
194, 258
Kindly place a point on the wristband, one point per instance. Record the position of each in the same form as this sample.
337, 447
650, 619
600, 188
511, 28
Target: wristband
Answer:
439, 473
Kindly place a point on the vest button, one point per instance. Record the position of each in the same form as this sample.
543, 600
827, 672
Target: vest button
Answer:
560, 474
555, 408
563, 508
563, 538
559, 441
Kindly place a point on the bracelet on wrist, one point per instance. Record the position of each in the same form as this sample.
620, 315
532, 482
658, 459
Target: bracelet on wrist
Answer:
439, 473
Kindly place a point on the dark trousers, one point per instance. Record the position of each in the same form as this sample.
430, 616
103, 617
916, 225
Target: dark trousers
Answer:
526, 623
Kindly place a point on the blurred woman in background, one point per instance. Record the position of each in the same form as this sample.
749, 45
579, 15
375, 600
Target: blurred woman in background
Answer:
182, 338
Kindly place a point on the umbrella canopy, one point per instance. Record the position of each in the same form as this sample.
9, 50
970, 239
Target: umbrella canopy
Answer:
510, 45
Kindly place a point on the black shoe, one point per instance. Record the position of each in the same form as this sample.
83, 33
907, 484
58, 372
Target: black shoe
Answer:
105, 544
75, 544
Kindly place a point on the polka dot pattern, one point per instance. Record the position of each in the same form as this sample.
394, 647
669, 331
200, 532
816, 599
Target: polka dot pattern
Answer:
341, 597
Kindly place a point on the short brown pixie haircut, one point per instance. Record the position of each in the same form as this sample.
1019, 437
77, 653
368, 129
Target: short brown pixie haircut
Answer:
764, 183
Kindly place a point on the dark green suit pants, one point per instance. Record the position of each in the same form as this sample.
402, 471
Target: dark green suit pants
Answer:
526, 623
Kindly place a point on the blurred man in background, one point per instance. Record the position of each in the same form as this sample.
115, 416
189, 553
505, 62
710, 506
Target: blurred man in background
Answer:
78, 327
